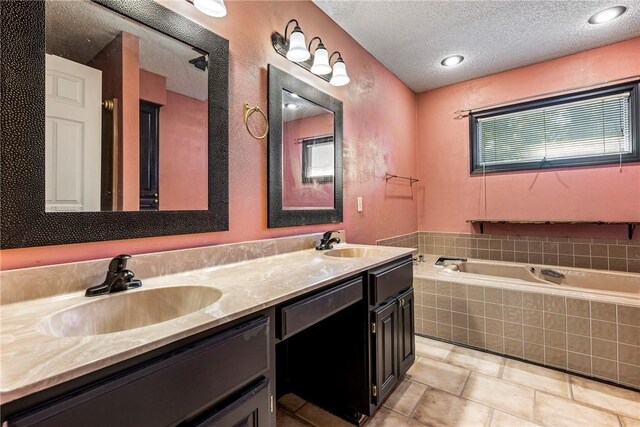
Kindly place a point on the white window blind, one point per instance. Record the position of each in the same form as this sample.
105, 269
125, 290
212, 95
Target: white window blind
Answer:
587, 128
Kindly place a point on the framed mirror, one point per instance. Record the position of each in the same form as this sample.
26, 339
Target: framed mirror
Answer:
305, 153
117, 118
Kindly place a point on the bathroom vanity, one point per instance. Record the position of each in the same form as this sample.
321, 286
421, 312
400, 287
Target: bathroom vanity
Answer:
335, 327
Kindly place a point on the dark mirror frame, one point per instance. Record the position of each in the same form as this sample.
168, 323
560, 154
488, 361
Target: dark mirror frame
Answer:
278, 217
24, 222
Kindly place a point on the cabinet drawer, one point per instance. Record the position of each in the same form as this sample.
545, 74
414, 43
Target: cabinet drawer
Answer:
296, 317
390, 280
250, 408
168, 389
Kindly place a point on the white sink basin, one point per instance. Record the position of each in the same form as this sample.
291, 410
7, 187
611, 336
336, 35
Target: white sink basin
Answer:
128, 310
354, 252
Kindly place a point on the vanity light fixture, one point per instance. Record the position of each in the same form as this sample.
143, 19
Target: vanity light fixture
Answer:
297, 46
452, 60
607, 15
320, 58
319, 62
339, 76
215, 8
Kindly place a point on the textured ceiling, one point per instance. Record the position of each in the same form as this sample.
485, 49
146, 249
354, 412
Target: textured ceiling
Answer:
411, 37
79, 30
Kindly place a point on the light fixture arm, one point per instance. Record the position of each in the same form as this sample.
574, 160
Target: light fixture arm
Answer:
339, 57
286, 28
319, 43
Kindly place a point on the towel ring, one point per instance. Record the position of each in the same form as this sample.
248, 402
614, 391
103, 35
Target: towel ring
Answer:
248, 111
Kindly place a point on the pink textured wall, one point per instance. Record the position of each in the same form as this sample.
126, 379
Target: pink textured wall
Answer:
449, 195
295, 193
153, 87
183, 141
183, 154
130, 119
379, 137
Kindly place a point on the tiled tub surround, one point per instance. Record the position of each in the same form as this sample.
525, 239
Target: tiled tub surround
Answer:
403, 241
602, 254
592, 334
246, 287
40, 282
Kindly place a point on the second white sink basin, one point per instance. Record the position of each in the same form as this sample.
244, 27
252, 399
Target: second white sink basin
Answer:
354, 252
128, 310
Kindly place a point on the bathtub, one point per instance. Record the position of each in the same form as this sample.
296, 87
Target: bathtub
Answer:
576, 279
583, 321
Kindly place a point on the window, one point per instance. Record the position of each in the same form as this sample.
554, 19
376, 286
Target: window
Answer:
317, 160
587, 128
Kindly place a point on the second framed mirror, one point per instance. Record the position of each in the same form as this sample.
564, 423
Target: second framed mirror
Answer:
305, 153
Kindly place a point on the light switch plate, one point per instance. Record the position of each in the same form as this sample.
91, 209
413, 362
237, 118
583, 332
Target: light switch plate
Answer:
359, 204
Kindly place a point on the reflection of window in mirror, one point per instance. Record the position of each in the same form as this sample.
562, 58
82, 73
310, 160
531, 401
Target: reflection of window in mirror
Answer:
317, 159
308, 154
126, 114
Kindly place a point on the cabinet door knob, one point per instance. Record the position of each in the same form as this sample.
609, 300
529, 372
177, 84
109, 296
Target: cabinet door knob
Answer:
155, 194
155, 200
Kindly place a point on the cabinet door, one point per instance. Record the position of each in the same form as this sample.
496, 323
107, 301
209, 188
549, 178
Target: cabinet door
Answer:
249, 409
385, 353
406, 331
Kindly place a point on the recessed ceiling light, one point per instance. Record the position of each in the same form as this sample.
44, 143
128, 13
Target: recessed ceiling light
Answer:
607, 15
452, 60
291, 105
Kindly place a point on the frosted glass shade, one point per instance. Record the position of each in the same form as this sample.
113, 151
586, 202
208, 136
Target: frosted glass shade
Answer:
297, 47
321, 61
215, 8
339, 77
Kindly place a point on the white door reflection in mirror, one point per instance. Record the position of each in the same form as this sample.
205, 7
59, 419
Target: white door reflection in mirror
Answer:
72, 144
308, 154
151, 133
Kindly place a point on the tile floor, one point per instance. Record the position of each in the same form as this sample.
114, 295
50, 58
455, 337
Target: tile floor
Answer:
455, 386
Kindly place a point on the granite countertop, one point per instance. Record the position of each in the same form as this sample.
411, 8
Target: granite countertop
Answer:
33, 361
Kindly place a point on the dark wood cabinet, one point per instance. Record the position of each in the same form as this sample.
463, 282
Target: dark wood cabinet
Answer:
224, 376
406, 332
392, 327
385, 353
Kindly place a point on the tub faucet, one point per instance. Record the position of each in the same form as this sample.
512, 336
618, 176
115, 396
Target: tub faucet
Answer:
118, 278
327, 241
552, 273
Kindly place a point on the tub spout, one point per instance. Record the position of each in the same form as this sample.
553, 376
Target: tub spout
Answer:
552, 273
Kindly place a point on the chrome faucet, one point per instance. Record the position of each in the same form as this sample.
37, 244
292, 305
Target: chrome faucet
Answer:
327, 241
118, 278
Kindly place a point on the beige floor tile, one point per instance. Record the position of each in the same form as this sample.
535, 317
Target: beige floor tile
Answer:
551, 410
285, 420
319, 417
508, 397
537, 377
478, 361
438, 374
431, 348
501, 419
629, 422
291, 402
440, 409
405, 397
387, 418
619, 400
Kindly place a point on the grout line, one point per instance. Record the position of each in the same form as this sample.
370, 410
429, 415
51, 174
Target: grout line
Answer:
490, 418
571, 387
